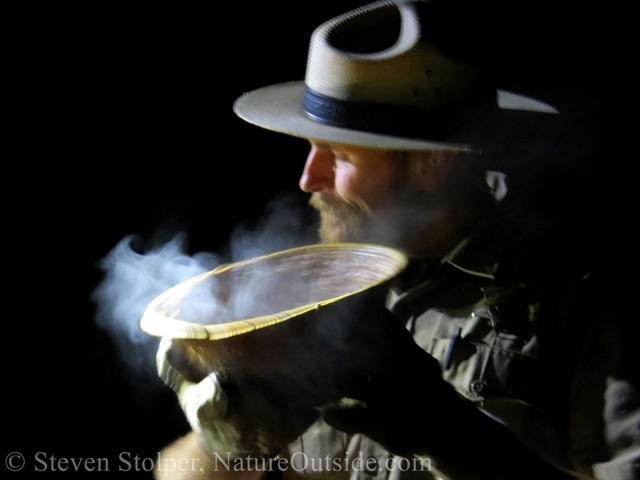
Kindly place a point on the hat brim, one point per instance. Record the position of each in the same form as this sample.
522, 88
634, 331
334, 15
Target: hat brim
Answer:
279, 108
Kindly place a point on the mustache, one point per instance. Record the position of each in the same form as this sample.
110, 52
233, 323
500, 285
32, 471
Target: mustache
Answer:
325, 203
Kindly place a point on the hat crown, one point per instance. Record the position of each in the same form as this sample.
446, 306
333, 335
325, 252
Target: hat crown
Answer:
379, 54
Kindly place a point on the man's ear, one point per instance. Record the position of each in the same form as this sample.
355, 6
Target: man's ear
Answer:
432, 169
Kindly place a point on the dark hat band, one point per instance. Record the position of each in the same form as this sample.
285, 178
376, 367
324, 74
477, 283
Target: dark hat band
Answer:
403, 121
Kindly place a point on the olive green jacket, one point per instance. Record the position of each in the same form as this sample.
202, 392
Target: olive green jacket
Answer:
532, 334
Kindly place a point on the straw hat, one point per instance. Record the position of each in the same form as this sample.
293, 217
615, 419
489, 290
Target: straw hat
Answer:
375, 79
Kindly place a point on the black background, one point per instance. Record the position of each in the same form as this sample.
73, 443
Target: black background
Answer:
120, 122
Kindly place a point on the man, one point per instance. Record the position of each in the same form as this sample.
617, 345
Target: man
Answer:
524, 374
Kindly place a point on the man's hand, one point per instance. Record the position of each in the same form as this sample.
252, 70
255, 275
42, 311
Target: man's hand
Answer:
408, 408
402, 397
205, 405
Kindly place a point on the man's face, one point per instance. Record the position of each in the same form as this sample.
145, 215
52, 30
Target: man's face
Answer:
362, 194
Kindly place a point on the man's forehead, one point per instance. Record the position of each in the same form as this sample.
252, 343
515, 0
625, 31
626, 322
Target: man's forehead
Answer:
321, 144
324, 144
343, 147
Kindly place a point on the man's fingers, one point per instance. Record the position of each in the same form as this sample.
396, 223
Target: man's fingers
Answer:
178, 358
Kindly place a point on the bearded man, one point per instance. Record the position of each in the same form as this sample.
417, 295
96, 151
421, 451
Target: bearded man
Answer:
418, 201
500, 361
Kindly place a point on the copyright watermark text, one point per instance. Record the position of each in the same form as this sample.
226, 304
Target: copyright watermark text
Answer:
14, 461
301, 462
129, 462
125, 462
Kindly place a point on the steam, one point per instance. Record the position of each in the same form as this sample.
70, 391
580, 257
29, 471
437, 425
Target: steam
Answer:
132, 280
286, 223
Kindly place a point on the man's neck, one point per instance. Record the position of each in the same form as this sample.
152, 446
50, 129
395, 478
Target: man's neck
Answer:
452, 223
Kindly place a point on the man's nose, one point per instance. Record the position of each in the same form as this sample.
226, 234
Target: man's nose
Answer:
318, 174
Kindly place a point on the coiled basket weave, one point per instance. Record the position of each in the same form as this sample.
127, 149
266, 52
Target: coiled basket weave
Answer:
282, 331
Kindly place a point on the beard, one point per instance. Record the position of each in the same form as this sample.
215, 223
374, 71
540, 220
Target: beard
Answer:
341, 221
396, 224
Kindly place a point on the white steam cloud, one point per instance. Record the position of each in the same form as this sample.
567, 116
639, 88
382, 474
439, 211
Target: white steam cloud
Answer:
132, 280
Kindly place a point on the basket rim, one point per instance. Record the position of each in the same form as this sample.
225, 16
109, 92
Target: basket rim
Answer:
157, 324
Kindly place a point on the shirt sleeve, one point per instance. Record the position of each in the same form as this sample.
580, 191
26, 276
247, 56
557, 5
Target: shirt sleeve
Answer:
605, 418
